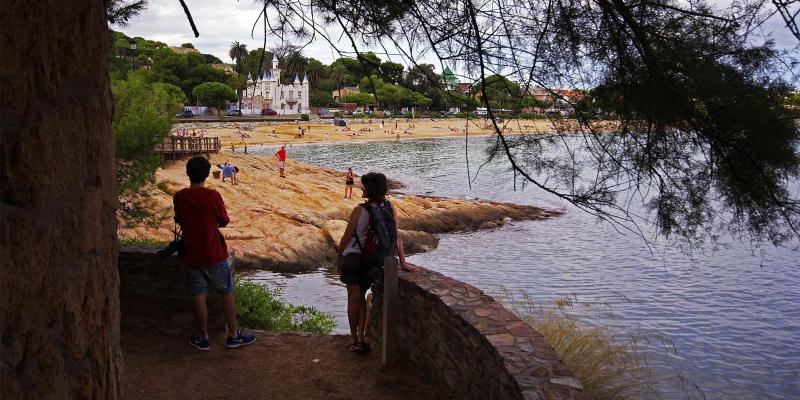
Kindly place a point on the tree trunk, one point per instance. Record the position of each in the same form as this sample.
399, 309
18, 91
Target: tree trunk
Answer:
59, 285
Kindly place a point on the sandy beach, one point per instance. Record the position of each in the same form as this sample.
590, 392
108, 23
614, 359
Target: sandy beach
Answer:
359, 130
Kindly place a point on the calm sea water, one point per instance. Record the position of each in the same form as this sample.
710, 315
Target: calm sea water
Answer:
732, 314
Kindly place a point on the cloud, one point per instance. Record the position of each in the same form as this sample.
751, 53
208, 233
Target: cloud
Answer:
221, 23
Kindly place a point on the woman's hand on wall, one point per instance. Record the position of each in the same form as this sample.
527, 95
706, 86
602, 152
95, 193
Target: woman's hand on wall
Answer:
407, 266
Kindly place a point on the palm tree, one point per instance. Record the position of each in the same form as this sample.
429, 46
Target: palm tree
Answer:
315, 71
339, 73
294, 63
237, 53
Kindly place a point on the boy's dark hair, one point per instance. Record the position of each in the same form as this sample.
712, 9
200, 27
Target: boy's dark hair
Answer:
375, 186
198, 169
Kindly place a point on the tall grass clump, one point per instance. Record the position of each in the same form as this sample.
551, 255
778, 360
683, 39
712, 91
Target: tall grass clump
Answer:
607, 366
260, 307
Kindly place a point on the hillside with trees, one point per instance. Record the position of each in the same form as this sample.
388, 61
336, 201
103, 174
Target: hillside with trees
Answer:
382, 83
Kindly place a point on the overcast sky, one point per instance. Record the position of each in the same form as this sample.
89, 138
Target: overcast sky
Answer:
222, 22
219, 24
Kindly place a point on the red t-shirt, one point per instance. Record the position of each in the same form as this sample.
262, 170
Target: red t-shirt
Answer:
200, 212
281, 154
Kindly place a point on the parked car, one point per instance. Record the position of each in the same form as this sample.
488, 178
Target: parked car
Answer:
185, 114
268, 111
235, 113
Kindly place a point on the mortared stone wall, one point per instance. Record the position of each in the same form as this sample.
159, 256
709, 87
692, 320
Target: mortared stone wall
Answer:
471, 343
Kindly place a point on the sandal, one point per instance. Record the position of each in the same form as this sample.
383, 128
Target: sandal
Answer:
363, 347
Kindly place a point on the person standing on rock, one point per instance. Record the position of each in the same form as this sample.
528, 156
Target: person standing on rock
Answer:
281, 154
375, 215
201, 212
348, 184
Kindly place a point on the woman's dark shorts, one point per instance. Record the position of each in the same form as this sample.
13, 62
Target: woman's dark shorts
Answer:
354, 274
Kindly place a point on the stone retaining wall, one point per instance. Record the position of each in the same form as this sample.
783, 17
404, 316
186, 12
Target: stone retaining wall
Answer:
470, 342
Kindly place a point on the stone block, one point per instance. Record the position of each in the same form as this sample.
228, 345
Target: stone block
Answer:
567, 381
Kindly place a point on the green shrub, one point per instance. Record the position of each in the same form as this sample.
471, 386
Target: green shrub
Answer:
408, 115
305, 117
375, 116
529, 116
143, 242
505, 116
435, 115
338, 114
260, 307
464, 114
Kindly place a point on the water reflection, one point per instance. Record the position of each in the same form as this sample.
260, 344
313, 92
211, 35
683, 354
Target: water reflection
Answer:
732, 313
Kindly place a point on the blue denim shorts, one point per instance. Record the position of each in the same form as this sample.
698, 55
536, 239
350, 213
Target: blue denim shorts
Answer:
219, 277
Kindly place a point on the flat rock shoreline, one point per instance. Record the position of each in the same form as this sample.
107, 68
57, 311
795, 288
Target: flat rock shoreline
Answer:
295, 223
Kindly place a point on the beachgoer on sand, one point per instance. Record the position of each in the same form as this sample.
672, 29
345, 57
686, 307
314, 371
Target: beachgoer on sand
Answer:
348, 184
281, 154
229, 171
355, 270
200, 211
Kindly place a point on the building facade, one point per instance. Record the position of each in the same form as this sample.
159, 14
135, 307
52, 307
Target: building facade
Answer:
268, 92
340, 94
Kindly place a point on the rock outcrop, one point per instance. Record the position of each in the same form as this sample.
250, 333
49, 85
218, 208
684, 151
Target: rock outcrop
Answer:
297, 222
59, 302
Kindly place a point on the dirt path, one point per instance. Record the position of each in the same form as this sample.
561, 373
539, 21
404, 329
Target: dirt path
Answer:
275, 367
159, 364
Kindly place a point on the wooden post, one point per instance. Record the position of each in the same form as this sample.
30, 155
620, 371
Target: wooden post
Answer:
389, 341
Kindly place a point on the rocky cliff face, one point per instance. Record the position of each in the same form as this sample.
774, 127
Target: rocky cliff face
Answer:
296, 222
58, 284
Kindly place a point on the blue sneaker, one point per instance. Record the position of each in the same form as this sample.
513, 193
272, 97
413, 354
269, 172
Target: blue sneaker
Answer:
241, 339
199, 343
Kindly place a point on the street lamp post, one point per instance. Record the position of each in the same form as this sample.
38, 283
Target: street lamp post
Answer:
132, 44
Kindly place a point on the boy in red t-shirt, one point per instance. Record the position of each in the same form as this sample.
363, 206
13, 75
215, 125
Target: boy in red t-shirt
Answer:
281, 154
200, 212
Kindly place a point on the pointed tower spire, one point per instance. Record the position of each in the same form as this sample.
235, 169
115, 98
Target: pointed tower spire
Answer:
296, 78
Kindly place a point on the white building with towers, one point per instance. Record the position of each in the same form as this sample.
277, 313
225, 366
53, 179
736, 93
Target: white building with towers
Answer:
268, 92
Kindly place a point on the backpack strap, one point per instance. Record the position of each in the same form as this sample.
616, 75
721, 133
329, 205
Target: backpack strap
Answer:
368, 209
